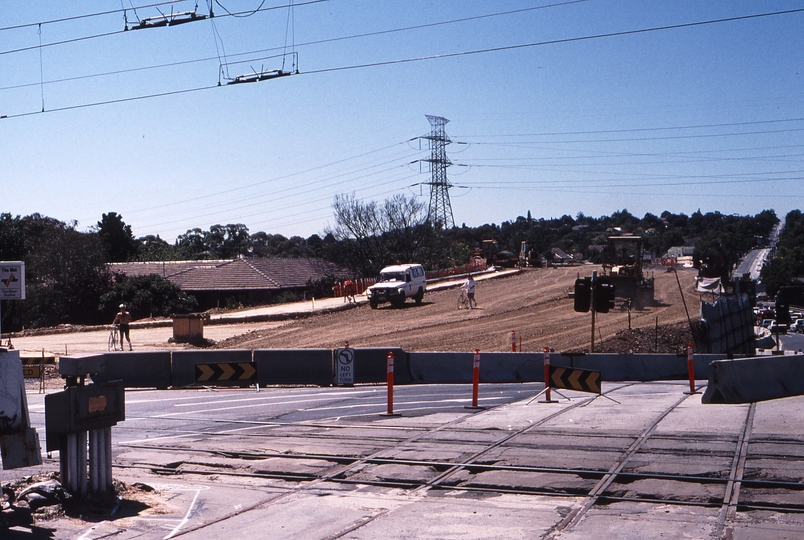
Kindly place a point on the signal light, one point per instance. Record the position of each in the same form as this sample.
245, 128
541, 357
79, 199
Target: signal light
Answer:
604, 297
583, 295
783, 314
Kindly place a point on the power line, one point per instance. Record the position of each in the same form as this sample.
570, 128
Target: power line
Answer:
216, 195
415, 59
559, 41
648, 129
305, 44
449, 55
88, 15
107, 34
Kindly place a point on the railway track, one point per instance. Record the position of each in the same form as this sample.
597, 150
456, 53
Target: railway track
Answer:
590, 468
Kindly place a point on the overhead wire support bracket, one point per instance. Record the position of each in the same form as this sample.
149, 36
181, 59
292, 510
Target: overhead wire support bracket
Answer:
264, 75
261, 76
173, 19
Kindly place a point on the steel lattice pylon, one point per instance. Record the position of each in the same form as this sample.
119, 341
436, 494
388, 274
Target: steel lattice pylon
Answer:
439, 213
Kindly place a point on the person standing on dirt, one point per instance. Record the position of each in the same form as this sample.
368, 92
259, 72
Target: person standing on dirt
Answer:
469, 287
349, 291
123, 319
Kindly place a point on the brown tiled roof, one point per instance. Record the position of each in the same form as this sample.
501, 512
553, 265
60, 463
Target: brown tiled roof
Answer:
239, 274
162, 268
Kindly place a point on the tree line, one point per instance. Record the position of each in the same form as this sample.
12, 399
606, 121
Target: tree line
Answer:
69, 281
787, 264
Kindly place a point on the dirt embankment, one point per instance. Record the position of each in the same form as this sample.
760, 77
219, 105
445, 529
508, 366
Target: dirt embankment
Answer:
535, 304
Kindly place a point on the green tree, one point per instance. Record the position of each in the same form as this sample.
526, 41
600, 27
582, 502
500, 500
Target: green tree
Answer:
788, 262
65, 273
116, 238
153, 248
13, 244
190, 246
146, 296
227, 241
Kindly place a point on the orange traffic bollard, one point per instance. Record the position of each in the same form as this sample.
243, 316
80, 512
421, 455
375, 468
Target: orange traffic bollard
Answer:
475, 377
390, 368
547, 377
513, 340
691, 370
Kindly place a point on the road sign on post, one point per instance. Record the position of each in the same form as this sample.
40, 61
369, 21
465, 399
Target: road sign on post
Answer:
345, 367
12, 282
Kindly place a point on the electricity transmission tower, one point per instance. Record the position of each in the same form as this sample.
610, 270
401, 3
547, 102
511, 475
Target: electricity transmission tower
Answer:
439, 213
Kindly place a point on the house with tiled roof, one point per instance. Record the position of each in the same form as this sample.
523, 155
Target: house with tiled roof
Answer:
220, 283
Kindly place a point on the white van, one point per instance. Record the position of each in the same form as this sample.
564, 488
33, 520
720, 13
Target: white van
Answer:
396, 283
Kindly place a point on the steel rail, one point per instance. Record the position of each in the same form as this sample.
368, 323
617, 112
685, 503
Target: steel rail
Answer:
412, 484
728, 510
577, 514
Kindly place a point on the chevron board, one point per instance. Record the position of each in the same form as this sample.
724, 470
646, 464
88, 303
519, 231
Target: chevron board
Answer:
232, 371
575, 379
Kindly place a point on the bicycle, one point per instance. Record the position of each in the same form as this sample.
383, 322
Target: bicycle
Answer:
463, 301
114, 337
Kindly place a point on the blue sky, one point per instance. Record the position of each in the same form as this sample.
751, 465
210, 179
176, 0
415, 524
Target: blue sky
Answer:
573, 106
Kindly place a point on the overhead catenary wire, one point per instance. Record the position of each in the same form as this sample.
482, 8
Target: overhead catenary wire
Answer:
117, 32
41, 70
88, 15
305, 44
435, 56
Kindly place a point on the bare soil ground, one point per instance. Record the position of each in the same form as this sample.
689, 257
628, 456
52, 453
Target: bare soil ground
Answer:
536, 304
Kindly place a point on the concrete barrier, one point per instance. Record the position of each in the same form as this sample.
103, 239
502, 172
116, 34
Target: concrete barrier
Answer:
140, 369
748, 380
294, 366
456, 367
371, 365
184, 362
497, 367
637, 367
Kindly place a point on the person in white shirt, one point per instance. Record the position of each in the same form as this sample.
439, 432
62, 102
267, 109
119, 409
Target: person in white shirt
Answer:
469, 287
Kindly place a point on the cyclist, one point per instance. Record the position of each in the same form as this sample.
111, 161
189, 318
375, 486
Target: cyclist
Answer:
469, 287
123, 319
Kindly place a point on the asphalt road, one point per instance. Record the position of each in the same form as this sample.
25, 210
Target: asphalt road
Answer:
325, 463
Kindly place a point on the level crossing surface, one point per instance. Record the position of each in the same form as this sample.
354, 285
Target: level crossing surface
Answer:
644, 460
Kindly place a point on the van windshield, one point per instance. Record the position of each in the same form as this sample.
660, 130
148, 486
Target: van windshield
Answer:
392, 276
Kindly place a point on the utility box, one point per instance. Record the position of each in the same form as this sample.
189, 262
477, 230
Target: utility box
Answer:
188, 328
83, 408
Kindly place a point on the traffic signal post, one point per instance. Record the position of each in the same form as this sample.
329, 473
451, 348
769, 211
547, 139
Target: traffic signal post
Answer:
595, 294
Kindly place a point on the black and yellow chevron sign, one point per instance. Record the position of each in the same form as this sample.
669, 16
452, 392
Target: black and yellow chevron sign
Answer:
575, 379
230, 371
